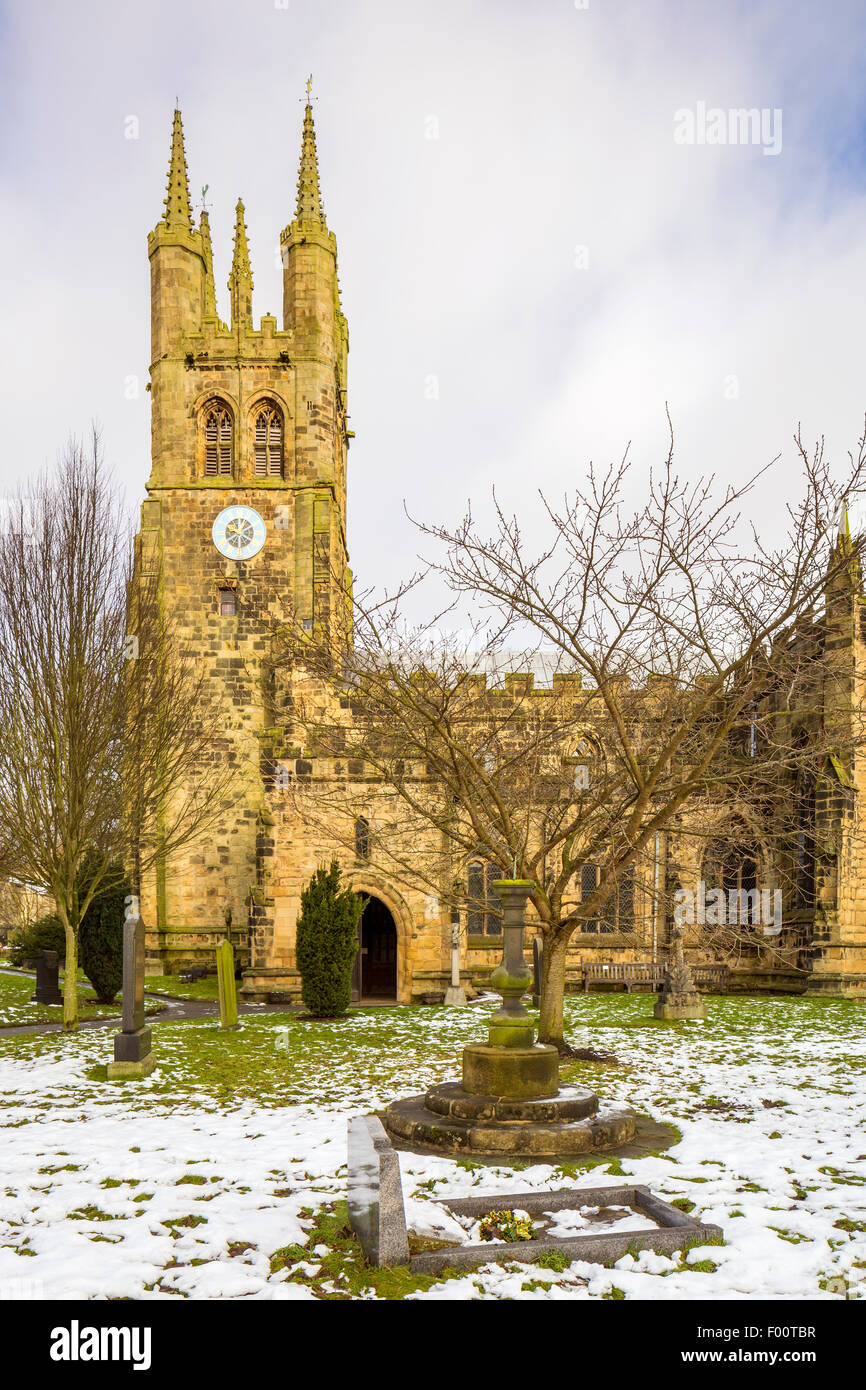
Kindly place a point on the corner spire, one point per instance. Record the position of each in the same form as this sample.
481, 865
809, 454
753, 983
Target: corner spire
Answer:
177, 207
309, 211
241, 277
210, 309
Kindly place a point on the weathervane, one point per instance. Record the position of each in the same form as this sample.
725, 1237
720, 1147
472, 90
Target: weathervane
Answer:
203, 192
309, 86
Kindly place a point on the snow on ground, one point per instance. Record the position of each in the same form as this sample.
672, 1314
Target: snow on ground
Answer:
189, 1181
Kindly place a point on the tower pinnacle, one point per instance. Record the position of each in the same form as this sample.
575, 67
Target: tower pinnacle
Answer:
241, 277
309, 211
177, 208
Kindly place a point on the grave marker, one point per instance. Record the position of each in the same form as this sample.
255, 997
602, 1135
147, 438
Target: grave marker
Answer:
228, 991
132, 1046
47, 972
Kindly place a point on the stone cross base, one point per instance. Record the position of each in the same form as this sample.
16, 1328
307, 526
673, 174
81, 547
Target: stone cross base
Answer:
455, 994
121, 1071
132, 1055
680, 1006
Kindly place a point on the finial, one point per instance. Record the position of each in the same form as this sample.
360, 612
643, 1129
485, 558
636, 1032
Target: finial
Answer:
309, 210
177, 208
241, 279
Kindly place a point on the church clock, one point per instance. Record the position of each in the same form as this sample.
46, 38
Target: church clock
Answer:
239, 533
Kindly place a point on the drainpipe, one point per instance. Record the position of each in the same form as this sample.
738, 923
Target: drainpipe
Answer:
656, 899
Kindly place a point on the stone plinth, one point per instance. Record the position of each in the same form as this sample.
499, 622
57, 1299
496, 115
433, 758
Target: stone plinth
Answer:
561, 1126
521, 1073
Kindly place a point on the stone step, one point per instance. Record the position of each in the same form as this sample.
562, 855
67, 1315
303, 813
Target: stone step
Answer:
572, 1103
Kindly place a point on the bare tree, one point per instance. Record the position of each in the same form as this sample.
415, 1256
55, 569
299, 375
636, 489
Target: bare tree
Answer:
684, 678
106, 760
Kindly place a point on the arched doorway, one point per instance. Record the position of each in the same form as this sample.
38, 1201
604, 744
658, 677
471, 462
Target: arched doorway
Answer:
375, 972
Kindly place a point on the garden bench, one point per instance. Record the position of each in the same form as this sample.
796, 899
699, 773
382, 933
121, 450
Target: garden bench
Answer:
629, 973
195, 972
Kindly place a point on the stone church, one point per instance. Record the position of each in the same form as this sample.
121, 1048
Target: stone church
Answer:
246, 510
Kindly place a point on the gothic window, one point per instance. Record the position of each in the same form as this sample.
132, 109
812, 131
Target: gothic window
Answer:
733, 867
804, 850
484, 917
217, 441
362, 838
617, 911
268, 442
588, 885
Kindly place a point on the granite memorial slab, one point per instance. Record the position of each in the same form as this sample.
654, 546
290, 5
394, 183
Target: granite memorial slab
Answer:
47, 979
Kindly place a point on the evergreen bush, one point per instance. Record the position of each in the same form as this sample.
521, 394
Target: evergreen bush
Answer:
327, 942
46, 934
100, 941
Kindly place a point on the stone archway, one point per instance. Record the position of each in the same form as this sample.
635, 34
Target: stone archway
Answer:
375, 975
378, 890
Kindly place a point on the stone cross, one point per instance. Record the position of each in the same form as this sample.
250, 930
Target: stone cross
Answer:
132, 1046
455, 993
226, 980
47, 986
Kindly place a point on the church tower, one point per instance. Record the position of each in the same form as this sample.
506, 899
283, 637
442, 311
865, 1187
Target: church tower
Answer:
245, 517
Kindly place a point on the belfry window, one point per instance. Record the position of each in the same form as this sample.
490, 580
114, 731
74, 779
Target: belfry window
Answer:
217, 442
268, 442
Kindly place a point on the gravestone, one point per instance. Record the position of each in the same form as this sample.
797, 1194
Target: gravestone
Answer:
228, 991
47, 972
132, 1046
375, 1193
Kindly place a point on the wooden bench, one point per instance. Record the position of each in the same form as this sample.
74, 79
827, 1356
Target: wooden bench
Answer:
195, 972
629, 973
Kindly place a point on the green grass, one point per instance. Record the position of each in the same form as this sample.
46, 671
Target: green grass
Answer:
344, 1272
207, 988
16, 1006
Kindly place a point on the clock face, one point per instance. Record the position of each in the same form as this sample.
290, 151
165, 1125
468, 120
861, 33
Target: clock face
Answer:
239, 533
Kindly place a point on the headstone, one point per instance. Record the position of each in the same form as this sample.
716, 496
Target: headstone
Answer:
132, 1046
47, 973
228, 991
375, 1193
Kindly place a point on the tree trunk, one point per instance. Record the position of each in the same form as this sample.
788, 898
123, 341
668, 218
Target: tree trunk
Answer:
553, 990
70, 976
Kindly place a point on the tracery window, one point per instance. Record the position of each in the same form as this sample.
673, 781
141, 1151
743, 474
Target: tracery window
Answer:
484, 916
218, 440
732, 866
268, 441
617, 912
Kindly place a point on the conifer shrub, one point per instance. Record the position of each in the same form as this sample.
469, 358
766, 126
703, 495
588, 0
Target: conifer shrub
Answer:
46, 934
327, 942
100, 940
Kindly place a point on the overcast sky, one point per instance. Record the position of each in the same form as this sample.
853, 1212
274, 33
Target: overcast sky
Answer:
531, 265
